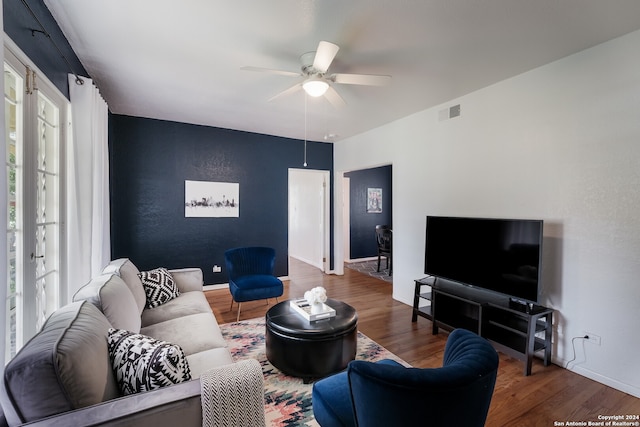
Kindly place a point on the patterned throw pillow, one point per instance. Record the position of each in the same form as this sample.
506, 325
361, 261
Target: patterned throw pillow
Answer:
159, 286
143, 363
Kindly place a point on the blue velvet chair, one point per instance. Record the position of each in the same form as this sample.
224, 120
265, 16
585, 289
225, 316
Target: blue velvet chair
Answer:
388, 394
251, 276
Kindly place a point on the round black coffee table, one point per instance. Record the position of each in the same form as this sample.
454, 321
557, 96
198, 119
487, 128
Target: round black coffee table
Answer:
311, 349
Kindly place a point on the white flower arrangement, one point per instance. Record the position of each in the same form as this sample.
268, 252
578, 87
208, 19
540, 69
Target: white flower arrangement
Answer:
317, 295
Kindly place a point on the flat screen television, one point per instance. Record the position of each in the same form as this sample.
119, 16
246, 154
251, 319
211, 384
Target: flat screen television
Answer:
501, 255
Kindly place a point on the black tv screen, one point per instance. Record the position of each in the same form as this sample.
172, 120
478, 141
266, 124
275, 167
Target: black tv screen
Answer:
502, 255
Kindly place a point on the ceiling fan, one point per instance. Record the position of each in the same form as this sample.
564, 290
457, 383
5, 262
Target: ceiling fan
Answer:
317, 82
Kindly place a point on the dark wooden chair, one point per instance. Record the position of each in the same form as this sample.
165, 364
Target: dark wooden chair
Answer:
384, 240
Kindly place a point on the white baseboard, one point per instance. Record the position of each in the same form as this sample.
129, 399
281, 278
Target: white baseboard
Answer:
351, 261
307, 261
214, 287
587, 373
618, 385
226, 285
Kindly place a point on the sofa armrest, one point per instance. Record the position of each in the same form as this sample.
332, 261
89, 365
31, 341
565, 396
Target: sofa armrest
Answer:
178, 404
233, 395
188, 279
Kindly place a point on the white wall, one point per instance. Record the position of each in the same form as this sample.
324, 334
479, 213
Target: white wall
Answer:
559, 143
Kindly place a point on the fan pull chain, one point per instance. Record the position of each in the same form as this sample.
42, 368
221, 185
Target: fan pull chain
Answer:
305, 131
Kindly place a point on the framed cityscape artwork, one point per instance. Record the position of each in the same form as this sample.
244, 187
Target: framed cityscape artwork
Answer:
211, 199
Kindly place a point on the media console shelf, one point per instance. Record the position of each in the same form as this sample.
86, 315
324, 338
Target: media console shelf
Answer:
517, 329
419, 296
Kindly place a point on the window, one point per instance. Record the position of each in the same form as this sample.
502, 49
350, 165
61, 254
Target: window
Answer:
13, 90
35, 123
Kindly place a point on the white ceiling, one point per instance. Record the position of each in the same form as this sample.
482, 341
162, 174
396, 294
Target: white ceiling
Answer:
181, 60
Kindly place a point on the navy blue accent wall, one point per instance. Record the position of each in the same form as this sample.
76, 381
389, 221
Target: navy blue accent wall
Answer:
150, 161
363, 224
18, 23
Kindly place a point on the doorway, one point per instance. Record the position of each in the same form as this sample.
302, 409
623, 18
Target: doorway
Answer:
309, 217
359, 216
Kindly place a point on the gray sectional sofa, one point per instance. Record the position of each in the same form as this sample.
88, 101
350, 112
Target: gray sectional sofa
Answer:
64, 375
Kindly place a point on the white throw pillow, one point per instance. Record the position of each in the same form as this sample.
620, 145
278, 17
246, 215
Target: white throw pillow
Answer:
142, 363
159, 286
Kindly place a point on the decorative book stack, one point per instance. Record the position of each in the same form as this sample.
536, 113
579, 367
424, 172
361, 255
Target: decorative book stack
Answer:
312, 312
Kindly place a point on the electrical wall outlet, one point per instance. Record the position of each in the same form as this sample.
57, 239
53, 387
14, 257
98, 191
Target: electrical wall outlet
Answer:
217, 269
593, 338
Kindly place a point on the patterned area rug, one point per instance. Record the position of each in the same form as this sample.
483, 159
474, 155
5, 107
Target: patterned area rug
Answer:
370, 268
287, 399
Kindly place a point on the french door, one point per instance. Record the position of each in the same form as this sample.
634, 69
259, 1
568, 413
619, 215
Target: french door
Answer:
35, 123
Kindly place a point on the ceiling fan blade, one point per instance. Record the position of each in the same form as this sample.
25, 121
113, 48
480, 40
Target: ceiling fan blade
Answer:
334, 98
360, 79
324, 56
286, 92
271, 71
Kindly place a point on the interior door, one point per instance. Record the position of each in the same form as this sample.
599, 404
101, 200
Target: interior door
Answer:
35, 118
309, 217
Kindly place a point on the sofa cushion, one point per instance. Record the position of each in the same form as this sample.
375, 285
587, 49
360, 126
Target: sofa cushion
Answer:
159, 287
142, 363
188, 279
194, 333
114, 299
128, 272
203, 361
64, 367
187, 303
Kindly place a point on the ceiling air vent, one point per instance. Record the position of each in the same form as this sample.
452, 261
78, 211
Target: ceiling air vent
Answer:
449, 113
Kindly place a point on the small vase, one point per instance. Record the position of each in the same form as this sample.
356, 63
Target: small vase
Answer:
317, 307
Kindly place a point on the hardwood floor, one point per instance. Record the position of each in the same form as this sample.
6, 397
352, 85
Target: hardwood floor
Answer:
550, 394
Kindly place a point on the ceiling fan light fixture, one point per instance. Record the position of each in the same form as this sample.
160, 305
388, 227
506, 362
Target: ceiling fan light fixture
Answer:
315, 86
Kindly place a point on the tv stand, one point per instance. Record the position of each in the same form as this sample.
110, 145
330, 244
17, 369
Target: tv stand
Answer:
515, 327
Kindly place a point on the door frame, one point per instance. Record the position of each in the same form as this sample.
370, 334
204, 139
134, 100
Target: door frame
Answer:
325, 203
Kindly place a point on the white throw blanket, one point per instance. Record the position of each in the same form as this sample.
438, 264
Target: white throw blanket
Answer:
241, 387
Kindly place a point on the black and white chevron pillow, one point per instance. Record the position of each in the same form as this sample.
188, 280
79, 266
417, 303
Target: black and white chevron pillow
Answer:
142, 363
159, 286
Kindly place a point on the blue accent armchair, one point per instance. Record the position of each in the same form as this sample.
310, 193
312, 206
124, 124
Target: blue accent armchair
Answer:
251, 276
387, 393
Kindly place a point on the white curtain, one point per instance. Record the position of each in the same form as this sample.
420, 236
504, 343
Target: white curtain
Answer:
88, 231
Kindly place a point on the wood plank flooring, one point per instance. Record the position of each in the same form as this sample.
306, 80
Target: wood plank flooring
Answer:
549, 395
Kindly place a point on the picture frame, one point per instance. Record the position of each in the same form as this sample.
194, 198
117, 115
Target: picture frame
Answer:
374, 200
205, 199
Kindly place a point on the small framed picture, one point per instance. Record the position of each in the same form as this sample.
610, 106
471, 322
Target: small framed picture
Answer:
374, 200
